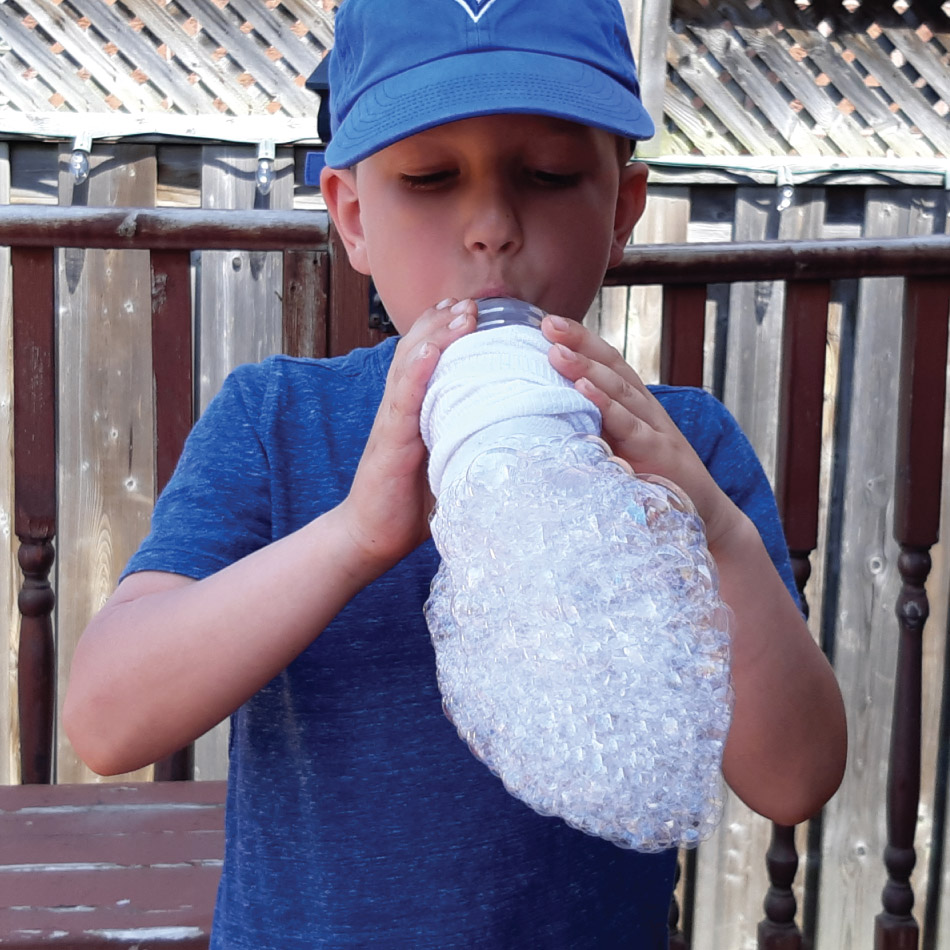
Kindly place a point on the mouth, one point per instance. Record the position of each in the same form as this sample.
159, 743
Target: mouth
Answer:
499, 290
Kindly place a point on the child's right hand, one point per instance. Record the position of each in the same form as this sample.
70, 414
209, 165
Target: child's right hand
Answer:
387, 510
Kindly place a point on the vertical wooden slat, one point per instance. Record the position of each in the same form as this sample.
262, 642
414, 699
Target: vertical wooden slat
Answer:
239, 316
172, 363
105, 433
916, 521
798, 466
34, 421
797, 475
172, 359
349, 304
684, 328
305, 303
9, 572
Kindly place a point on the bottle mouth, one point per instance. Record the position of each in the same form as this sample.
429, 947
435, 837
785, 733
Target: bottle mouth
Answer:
506, 312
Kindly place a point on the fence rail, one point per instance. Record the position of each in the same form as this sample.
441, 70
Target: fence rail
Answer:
317, 289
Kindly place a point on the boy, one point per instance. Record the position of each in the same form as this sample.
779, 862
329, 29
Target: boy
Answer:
479, 149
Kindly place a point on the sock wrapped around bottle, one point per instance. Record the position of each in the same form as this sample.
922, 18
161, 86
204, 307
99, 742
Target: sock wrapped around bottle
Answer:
582, 649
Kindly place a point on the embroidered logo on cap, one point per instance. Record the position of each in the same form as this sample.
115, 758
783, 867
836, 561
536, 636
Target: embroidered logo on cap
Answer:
476, 9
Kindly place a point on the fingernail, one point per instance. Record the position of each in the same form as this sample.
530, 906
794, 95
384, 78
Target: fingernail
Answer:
559, 323
569, 355
444, 303
459, 321
461, 306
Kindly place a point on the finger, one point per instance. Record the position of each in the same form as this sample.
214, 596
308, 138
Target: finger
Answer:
416, 357
576, 338
444, 323
627, 434
621, 386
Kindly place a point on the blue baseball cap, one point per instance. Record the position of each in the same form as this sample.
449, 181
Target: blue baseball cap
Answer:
399, 67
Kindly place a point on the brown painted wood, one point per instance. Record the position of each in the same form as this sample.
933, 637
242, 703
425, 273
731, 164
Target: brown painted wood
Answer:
798, 465
782, 260
798, 469
306, 274
916, 523
171, 358
110, 865
172, 364
920, 419
778, 931
348, 304
684, 331
34, 415
165, 228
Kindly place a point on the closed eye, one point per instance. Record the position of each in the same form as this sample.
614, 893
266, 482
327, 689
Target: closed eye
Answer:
430, 180
555, 179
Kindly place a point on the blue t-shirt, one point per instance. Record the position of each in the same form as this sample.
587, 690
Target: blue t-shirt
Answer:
356, 817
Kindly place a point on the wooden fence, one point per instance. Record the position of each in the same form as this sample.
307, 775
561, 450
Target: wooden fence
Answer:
829, 381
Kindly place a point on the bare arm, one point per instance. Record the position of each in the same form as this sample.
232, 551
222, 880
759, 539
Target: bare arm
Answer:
168, 657
786, 749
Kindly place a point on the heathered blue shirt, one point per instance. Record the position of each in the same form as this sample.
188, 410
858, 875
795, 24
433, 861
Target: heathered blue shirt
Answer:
356, 817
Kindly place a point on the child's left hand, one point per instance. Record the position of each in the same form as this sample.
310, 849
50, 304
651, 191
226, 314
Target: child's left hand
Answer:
787, 744
635, 425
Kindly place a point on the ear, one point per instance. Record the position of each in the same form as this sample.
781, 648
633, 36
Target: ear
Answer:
339, 189
631, 200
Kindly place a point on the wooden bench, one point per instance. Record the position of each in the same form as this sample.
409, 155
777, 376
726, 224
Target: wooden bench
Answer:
134, 865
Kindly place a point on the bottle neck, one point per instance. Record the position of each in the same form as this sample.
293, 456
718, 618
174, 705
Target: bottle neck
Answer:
496, 385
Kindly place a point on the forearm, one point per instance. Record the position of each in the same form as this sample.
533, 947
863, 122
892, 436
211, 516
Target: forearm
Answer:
786, 749
168, 658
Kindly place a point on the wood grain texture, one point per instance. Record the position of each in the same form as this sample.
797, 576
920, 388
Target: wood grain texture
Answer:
239, 316
124, 865
106, 421
9, 580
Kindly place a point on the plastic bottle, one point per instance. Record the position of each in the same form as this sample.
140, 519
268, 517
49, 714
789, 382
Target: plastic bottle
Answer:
582, 650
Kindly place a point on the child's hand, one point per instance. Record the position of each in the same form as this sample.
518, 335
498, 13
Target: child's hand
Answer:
389, 503
786, 693
635, 425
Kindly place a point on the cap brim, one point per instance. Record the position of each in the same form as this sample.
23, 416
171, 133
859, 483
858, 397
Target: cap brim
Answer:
491, 82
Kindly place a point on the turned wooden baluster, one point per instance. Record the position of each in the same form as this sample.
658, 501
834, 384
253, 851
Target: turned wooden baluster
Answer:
797, 488
174, 404
34, 467
681, 364
916, 521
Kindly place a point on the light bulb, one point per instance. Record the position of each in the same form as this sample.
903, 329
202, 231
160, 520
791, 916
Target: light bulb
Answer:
79, 165
79, 159
265, 175
266, 172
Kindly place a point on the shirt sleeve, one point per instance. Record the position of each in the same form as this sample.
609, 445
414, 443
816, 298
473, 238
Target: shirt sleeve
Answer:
727, 453
216, 507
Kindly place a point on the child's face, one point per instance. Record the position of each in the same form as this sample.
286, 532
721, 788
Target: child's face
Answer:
502, 205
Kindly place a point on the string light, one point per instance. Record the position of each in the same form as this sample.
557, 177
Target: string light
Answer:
79, 159
266, 173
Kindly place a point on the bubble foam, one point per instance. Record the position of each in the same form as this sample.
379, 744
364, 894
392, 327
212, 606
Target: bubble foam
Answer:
581, 647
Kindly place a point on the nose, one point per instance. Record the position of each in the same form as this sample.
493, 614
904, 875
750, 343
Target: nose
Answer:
493, 225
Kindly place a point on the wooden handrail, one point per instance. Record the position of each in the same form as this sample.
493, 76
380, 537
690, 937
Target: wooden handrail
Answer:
162, 228
702, 263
